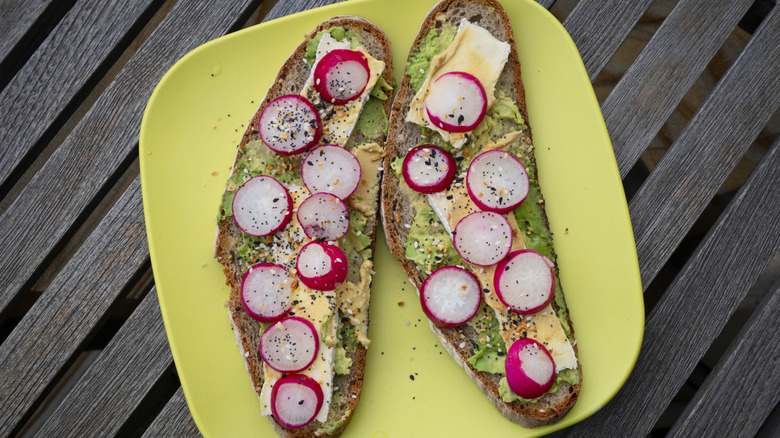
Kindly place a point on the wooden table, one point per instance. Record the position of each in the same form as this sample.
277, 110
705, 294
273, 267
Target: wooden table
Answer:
83, 351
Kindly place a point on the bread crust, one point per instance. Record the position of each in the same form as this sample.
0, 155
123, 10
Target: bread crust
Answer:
290, 80
396, 212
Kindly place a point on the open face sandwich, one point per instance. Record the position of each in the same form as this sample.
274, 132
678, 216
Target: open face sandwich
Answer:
463, 211
297, 223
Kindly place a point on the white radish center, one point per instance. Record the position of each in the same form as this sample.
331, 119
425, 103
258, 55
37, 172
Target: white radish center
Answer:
526, 282
266, 291
295, 403
260, 206
346, 79
535, 364
331, 169
314, 262
455, 101
483, 238
497, 179
427, 167
288, 124
289, 344
324, 217
451, 295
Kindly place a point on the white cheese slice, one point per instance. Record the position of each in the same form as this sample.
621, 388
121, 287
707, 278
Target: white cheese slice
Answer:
473, 50
543, 326
338, 121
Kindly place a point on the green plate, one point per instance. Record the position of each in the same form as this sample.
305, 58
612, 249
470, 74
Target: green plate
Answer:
189, 132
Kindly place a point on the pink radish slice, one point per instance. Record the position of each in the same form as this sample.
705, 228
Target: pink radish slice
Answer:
530, 368
262, 206
295, 400
428, 169
331, 169
324, 217
341, 76
321, 266
483, 238
450, 296
497, 181
289, 125
456, 102
289, 345
524, 281
266, 292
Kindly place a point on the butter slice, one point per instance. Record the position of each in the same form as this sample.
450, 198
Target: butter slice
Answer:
338, 121
473, 50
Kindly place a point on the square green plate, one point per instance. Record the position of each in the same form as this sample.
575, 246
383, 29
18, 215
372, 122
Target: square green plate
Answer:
189, 132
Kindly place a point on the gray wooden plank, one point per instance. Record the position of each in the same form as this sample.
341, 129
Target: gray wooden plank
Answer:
703, 155
288, 7
50, 204
547, 4
598, 28
173, 420
17, 19
771, 425
63, 317
115, 384
63, 64
660, 77
691, 313
734, 401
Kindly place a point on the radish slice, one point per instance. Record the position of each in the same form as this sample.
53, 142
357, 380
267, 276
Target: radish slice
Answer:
324, 217
456, 102
341, 76
295, 400
266, 292
289, 345
321, 266
331, 169
497, 181
483, 238
524, 281
530, 368
262, 206
289, 125
428, 169
450, 296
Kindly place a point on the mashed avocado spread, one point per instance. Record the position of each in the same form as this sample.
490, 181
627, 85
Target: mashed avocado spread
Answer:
502, 118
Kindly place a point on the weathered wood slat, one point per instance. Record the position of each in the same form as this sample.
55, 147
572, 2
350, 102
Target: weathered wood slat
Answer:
66, 313
119, 379
734, 400
771, 425
598, 28
694, 309
54, 198
64, 63
173, 420
703, 155
547, 4
285, 8
662, 74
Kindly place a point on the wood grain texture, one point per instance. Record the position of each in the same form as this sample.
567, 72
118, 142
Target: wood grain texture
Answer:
64, 63
694, 309
546, 3
71, 307
284, 8
660, 77
16, 19
771, 425
73, 176
736, 397
173, 420
116, 383
598, 28
690, 173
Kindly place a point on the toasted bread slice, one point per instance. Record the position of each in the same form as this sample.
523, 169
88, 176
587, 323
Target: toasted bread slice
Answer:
398, 212
290, 80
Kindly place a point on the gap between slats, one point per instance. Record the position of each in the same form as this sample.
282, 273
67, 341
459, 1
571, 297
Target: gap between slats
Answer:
15, 49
